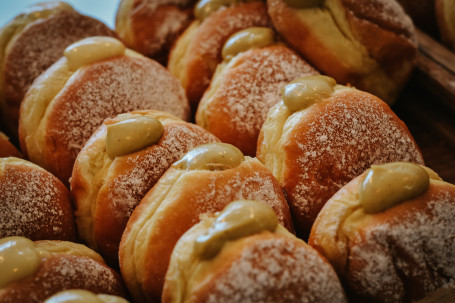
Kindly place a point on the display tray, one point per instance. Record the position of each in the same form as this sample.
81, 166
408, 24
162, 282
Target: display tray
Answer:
427, 106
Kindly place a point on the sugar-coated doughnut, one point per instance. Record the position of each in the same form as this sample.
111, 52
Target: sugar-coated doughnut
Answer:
34, 203
243, 255
106, 188
370, 45
96, 79
242, 91
150, 27
32, 42
321, 135
197, 52
34, 271
389, 234
83, 296
205, 180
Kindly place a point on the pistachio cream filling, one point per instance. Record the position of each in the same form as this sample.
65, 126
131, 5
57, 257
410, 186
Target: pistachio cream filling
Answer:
239, 219
132, 135
253, 37
92, 49
83, 296
212, 156
305, 91
302, 4
19, 259
389, 184
205, 8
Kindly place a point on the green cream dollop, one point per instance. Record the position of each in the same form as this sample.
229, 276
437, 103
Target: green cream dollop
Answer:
239, 219
303, 92
389, 184
132, 135
212, 156
241, 41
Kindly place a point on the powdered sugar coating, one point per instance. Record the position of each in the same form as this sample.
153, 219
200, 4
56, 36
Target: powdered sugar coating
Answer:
388, 14
42, 44
406, 257
278, 270
62, 272
34, 204
336, 141
250, 85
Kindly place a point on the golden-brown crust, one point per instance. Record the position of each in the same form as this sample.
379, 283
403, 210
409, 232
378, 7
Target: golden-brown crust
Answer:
34, 203
328, 144
182, 197
236, 104
151, 28
264, 267
370, 45
61, 272
32, 50
7, 149
404, 252
116, 189
203, 53
54, 136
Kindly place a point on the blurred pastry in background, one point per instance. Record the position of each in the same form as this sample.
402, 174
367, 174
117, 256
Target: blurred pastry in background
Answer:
205, 180
246, 84
34, 203
34, 271
151, 27
197, 52
32, 42
97, 78
321, 135
445, 15
7, 149
370, 45
242, 254
389, 234
119, 164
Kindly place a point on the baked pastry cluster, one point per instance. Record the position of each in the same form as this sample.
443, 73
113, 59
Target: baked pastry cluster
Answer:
261, 165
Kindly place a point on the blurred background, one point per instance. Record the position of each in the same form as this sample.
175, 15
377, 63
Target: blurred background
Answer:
103, 10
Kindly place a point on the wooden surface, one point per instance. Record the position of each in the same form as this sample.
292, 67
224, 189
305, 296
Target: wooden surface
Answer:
427, 106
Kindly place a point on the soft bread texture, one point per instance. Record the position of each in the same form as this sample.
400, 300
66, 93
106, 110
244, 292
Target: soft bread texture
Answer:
150, 26
7, 149
445, 13
64, 107
66, 265
174, 205
197, 52
32, 42
264, 267
106, 190
399, 255
243, 90
34, 203
368, 44
315, 151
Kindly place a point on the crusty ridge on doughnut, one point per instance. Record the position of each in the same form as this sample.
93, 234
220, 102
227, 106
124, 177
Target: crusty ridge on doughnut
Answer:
106, 190
243, 90
151, 26
34, 203
264, 267
64, 107
174, 205
32, 42
368, 44
315, 151
197, 52
401, 254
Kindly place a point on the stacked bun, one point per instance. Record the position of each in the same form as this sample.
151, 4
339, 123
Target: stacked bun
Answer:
389, 233
32, 42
